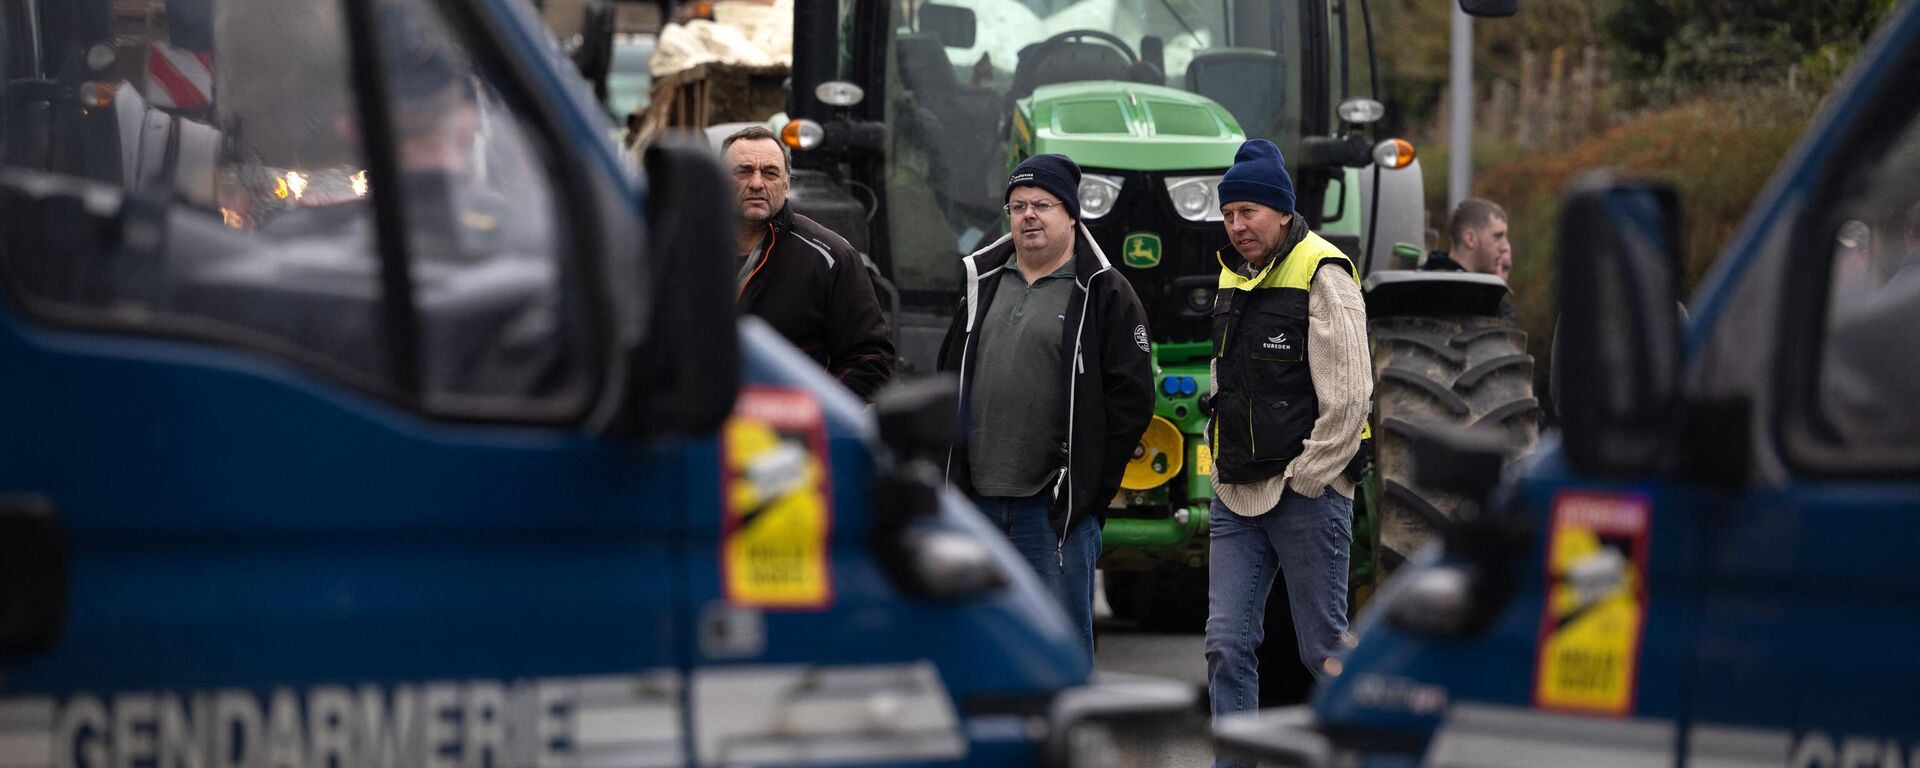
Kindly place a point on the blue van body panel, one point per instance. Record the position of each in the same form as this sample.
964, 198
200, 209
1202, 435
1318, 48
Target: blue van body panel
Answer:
870, 621
1807, 602
252, 545
1499, 664
355, 544
349, 540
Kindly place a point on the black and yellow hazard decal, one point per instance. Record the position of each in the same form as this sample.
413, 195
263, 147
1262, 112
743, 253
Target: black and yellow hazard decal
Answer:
774, 550
1588, 657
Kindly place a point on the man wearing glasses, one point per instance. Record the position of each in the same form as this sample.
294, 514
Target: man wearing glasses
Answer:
1056, 383
804, 280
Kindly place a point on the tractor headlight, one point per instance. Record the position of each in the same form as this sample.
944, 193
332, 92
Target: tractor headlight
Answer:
1358, 111
1098, 194
1195, 197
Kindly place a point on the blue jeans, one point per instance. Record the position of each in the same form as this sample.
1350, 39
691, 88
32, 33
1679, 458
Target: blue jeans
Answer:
1066, 569
1310, 540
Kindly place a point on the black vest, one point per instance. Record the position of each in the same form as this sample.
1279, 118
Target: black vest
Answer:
1265, 405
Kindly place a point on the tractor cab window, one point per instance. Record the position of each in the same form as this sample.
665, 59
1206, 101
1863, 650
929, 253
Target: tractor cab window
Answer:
220, 148
960, 71
1867, 375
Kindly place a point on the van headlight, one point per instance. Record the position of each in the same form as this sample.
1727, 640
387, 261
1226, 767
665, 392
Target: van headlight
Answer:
1195, 198
1098, 194
950, 565
1098, 724
794, 714
1437, 601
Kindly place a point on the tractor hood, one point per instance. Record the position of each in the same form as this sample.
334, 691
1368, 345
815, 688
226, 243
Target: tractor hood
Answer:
1127, 126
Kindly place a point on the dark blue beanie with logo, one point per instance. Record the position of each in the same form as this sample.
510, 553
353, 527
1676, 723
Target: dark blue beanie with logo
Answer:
1052, 172
1258, 175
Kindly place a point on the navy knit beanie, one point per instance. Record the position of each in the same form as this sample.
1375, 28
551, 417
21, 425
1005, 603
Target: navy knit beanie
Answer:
1259, 175
1054, 173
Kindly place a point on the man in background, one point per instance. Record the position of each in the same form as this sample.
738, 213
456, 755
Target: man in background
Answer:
804, 280
1478, 231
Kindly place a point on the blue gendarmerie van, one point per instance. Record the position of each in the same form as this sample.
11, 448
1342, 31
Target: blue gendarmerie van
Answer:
358, 407
1713, 563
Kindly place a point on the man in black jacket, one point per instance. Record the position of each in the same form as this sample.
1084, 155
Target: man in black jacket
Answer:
804, 280
1478, 230
1055, 372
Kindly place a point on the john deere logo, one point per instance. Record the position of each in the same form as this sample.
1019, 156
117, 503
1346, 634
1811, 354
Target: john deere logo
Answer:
1141, 250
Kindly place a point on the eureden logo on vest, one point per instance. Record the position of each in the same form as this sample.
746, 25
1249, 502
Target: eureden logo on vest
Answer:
1278, 342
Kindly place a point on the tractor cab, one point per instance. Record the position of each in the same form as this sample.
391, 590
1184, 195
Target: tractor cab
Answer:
1150, 101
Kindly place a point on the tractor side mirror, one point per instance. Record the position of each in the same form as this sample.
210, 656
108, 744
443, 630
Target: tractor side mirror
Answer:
1619, 337
1336, 152
1490, 7
954, 25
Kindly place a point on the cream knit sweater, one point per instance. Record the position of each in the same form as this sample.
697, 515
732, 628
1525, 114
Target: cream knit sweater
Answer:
1341, 368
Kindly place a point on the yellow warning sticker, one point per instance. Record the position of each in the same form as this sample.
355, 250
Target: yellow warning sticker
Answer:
1202, 460
1596, 607
774, 549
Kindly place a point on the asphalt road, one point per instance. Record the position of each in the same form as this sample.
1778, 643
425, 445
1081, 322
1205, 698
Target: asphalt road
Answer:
1123, 648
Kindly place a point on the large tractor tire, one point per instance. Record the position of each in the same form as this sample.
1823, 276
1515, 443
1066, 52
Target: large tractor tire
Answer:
1444, 371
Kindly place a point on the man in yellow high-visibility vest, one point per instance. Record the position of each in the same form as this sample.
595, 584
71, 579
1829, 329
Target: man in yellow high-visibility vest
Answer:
1291, 383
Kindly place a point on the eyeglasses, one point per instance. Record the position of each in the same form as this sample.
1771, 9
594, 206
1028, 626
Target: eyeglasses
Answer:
1041, 208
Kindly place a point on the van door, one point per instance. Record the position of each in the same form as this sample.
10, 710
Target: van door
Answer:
301, 361
1810, 576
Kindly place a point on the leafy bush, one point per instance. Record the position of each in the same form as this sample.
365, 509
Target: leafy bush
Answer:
1665, 49
1717, 152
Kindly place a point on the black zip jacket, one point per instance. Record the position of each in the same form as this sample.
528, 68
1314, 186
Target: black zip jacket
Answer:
1109, 367
812, 286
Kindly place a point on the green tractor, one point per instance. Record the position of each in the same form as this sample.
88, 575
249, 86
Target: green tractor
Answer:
910, 115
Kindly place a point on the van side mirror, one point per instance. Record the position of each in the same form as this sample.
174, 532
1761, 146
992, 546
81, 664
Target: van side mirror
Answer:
916, 416
685, 375
953, 25
1464, 462
1619, 324
1490, 7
